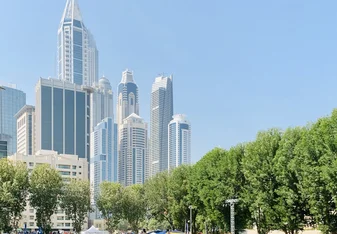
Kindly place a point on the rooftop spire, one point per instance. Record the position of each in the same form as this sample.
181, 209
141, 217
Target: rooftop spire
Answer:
72, 11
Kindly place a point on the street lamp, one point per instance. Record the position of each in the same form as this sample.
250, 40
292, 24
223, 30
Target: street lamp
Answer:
232, 203
191, 207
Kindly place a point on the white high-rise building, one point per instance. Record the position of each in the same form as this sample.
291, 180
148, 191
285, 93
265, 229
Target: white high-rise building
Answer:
161, 115
63, 117
77, 52
133, 156
69, 166
102, 102
25, 120
103, 163
179, 141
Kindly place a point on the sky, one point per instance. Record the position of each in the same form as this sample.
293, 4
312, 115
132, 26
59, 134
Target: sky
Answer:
239, 67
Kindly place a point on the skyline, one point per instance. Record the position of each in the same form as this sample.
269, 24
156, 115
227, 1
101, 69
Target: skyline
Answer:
299, 50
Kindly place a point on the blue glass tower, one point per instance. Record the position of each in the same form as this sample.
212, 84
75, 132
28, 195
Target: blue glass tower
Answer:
77, 52
11, 101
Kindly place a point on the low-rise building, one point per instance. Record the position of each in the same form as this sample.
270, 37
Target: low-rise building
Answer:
69, 167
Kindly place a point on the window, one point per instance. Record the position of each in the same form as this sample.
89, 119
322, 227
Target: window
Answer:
31, 210
74, 173
31, 224
31, 164
67, 224
64, 172
64, 166
31, 217
74, 167
60, 218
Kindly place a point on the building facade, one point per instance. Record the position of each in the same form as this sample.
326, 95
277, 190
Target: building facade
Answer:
63, 117
133, 151
179, 142
102, 102
25, 121
11, 101
161, 115
69, 167
77, 52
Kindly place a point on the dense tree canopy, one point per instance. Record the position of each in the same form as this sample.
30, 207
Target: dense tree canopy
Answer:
283, 180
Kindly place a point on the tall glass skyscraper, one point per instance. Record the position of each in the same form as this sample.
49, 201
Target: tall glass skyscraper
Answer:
11, 101
127, 97
77, 52
103, 165
179, 142
62, 115
161, 115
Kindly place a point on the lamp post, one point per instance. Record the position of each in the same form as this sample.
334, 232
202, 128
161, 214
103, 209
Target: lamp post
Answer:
232, 203
191, 207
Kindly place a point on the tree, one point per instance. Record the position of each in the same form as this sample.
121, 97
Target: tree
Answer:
317, 155
75, 201
133, 205
290, 206
109, 202
178, 188
260, 188
156, 197
45, 189
13, 192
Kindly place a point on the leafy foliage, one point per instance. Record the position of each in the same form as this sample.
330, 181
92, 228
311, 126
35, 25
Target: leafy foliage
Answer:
13, 192
75, 201
45, 189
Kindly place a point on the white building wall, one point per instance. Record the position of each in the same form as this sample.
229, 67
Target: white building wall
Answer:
69, 166
26, 130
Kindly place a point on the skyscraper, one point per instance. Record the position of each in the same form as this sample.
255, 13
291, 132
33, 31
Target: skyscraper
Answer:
161, 115
133, 151
127, 97
11, 101
25, 119
63, 117
77, 52
102, 102
179, 142
103, 164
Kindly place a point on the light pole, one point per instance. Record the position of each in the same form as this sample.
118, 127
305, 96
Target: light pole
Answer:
191, 207
232, 203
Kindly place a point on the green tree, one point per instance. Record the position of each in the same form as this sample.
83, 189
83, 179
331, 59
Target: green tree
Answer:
317, 155
133, 205
75, 201
156, 197
13, 192
45, 189
109, 202
260, 188
178, 188
290, 206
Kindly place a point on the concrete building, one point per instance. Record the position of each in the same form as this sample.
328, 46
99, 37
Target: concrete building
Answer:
69, 166
133, 151
77, 52
179, 142
11, 101
161, 115
25, 120
63, 117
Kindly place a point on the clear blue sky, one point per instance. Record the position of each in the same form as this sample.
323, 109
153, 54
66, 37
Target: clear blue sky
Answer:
238, 66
